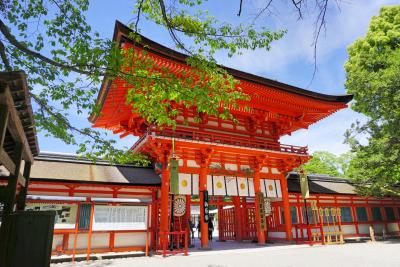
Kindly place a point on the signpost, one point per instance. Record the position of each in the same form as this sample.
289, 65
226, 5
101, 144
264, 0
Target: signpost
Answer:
261, 207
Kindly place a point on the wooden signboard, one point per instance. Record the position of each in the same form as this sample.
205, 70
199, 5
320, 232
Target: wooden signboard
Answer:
261, 206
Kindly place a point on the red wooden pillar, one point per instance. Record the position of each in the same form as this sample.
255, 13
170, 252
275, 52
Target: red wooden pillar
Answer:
257, 190
188, 219
286, 208
164, 204
154, 219
202, 188
238, 218
355, 219
220, 220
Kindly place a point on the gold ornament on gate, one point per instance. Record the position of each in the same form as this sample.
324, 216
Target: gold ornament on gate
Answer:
333, 211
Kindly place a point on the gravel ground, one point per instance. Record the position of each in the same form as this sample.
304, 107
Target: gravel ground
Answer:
360, 254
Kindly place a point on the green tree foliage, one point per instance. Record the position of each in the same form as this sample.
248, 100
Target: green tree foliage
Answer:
66, 61
373, 76
324, 162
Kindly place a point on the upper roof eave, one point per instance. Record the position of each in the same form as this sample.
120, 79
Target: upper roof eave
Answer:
17, 82
122, 32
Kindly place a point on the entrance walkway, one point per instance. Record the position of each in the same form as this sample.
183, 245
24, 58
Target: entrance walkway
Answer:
348, 255
216, 245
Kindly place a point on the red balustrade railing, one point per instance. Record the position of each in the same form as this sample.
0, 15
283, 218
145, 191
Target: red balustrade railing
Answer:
175, 242
233, 140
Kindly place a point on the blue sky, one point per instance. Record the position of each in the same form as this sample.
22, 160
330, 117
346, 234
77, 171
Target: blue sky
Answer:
290, 60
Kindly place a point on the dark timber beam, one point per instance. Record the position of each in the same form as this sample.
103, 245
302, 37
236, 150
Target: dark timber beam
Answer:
13, 182
21, 199
14, 123
3, 123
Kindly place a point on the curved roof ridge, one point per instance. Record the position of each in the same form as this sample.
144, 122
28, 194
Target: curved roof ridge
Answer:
122, 34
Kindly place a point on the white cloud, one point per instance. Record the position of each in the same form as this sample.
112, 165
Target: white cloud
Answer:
327, 134
343, 27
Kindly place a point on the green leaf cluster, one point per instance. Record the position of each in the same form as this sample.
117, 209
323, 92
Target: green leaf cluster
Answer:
324, 162
373, 76
66, 61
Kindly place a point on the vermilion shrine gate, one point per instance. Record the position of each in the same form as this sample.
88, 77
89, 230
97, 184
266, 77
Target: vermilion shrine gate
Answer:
240, 160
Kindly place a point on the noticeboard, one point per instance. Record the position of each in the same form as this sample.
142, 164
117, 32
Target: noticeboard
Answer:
65, 213
119, 218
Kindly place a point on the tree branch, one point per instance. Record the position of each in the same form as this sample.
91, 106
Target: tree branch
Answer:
240, 8
11, 38
319, 24
171, 28
4, 57
138, 16
48, 109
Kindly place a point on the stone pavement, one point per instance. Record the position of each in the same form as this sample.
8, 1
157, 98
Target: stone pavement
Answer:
358, 255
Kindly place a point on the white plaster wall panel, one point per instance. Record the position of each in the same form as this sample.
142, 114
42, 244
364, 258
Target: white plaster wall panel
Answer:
142, 190
192, 163
219, 186
180, 162
91, 195
243, 187
275, 171
231, 167
264, 170
195, 184
326, 201
57, 241
185, 184
244, 167
277, 234
378, 228
344, 198
330, 228
130, 196
393, 227
212, 123
100, 240
227, 125
95, 188
130, 239
343, 201
278, 188
251, 187
262, 185
180, 118
349, 229
259, 131
363, 228
271, 189
231, 186
209, 185
294, 232
241, 128
47, 193
81, 241
48, 186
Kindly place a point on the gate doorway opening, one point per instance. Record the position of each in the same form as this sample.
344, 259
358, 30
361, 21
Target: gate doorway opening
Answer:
233, 219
